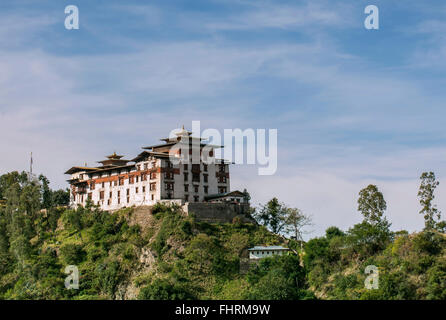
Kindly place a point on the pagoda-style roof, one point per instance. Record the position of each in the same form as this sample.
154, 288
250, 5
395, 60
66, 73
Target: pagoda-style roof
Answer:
114, 156
110, 168
77, 169
114, 160
146, 154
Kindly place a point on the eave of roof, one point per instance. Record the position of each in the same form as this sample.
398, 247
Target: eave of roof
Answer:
222, 195
77, 169
151, 153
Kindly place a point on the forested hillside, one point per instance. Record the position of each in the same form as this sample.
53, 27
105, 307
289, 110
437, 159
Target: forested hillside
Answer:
163, 254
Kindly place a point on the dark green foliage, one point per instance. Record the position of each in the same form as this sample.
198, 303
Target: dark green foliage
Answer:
428, 242
72, 254
316, 248
161, 289
436, 283
272, 215
392, 286
332, 232
278, 278
108, 275
367, 239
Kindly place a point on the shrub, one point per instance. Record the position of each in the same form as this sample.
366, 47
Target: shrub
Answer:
161, 289
72, 253
436, 283
428, 242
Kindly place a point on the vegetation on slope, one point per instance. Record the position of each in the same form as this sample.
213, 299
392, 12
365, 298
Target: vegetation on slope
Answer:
163, 254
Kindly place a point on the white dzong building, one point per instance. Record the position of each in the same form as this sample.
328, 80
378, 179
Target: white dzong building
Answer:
161, 172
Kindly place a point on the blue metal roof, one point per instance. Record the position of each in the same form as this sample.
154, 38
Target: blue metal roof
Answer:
267, 248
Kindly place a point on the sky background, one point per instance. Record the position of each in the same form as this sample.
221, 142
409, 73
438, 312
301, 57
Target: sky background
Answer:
352, 106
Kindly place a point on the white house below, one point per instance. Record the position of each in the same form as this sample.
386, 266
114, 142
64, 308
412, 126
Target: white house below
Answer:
260, 252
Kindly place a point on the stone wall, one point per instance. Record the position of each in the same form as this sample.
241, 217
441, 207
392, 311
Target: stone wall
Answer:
218, 212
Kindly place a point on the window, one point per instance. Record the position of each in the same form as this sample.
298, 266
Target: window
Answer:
137, 179
153, 197
146, 166
152, 175
103, 184
143, 189
205, 189
81, 177
131, 180
121, 181
92, 185
222, 190
196, 188
136, 190
196, 198
169, 164
205, 167
138, 167
186, 188
195, 167
152, 186
111, 183
89, 196
144, 177
186, 166
119, 194
169, 186
205, 178
196, 177
222, 168
128, 192
186, 176
110, 195
186, 198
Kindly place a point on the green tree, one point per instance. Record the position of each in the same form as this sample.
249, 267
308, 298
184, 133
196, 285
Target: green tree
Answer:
295, 221
46, 192
272, 215
61, 197
162, 289
371, 204
426, 195
332, 232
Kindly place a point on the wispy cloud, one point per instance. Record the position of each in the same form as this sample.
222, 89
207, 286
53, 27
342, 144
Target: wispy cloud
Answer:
343, 119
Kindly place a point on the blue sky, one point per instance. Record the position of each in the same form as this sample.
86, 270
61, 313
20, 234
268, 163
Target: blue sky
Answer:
352, 106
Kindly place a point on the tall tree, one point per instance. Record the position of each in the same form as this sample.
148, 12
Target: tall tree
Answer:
426, 195
272, 215
371, 204
46, 192
295, 221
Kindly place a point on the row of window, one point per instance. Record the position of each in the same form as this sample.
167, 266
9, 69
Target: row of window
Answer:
121, 180
137, 190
